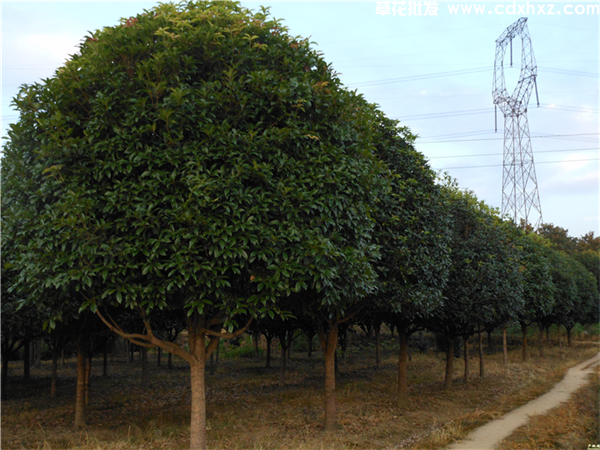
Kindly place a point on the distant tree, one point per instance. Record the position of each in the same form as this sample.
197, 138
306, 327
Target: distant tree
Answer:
590, 259
559, 237
588, 242
411, 230
538, 288
483, 282
584, 307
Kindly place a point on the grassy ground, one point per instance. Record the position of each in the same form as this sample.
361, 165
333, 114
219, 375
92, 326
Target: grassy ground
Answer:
247, 409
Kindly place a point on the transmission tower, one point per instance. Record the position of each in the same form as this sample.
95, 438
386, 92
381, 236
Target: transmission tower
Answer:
520, 196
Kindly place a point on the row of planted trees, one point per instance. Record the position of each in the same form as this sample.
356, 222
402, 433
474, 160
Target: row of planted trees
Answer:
198, 164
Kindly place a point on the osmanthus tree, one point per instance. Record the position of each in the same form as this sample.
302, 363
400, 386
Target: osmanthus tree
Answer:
483, 282
590, 259
584, 307
197, 158
411, 230
538, 288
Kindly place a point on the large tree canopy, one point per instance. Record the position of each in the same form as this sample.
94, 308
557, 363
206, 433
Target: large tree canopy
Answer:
195, 157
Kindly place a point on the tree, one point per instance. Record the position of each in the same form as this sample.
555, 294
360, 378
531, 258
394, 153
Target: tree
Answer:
411, 224
196, 158
559, 237
538, 288
483, 283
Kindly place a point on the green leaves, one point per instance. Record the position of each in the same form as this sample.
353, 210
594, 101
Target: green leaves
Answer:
190, 149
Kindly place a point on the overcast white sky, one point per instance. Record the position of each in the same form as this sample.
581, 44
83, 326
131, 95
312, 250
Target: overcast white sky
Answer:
433, 72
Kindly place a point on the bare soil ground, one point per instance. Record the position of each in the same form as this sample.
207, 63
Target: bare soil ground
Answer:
247, 409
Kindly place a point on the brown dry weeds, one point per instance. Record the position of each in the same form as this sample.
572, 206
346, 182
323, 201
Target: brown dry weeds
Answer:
247, 409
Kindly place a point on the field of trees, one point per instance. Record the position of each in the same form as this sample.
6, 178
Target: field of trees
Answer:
195, 174
249, 409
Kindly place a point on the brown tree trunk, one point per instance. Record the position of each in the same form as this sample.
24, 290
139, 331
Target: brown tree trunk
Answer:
197, 344
541, 339
524, 345
377, 332
27, 360
158, 356
255, 339
481, 366
37, 354
88, 375
105, 362
329, 340
54, 373
4, 374
63, 359
80, 406
504, 347
402, 368
449, 364
170, 360
310, 337
282, 365
268, 364
144, 355
569, 337
558, 333
466, 357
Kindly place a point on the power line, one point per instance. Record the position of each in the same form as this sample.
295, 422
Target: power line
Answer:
500, 154
424, 76
500, 165
501, 139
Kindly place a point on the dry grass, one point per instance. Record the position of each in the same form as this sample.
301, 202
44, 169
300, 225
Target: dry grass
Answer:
247, 410
572, 425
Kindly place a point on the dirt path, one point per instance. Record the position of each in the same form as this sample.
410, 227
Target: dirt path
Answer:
491, 434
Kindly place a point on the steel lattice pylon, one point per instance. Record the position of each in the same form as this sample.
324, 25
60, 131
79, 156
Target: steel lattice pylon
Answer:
520, 195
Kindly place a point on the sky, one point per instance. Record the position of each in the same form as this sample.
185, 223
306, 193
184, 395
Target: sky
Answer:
428, 64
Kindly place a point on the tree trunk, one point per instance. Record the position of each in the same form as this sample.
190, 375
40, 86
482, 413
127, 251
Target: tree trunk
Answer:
329, 340
27, 361
481, 367
524, 345
5, 359
449, 365
377, 332
144, 355
37, 354
62, 357
255, 339
490, 343
568, 336
402, 368
54, 373
197, 344
80, 419
268, 364
169, 361
88, 375
548, 336
105, 362
558, 333
541, 339
466, 357
282, 365
158, 356
504, 347
309, 337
